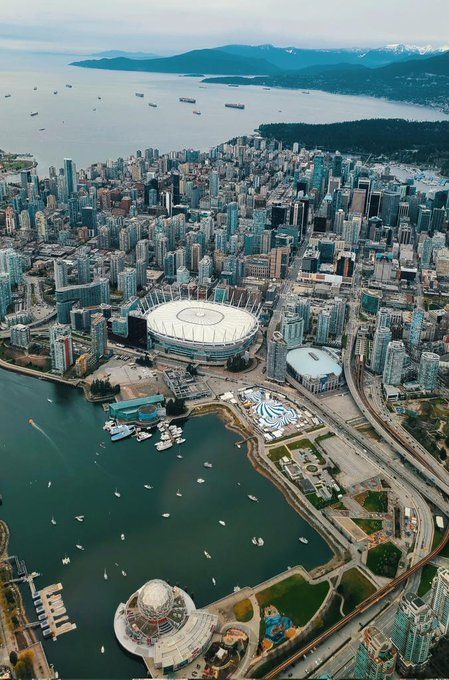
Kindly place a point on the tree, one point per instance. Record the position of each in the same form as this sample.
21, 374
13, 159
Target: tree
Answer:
191, 369
175, 407
103, 388
13, 658
237, 363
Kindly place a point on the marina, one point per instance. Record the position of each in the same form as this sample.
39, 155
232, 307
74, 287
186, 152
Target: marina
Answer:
207, 517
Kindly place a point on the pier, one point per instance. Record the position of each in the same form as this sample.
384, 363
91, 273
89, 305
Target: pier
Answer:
56, 621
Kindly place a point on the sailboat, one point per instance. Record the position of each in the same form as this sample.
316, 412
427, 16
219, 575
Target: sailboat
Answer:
178, 493
105, 575
79, 546
117, 493
48, 485
220, 521
214, 581
102, 649
207, 554
147, 486
179, 456
53, 521
123, 572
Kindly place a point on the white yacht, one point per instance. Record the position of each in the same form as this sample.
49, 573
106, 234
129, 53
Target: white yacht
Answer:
117, 493
163, 446
207, 464
123, 572
102, 649
209, 557
79, 546
178, 493
79, 518
214, 581
166, 515
105, 575
220, 521
122, 537
257, 541
303, 540
53, 521
180, 440
147, 486
200, 481
253, 498
142, 436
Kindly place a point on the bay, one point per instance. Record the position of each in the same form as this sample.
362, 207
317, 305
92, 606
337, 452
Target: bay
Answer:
122, 123
61, 447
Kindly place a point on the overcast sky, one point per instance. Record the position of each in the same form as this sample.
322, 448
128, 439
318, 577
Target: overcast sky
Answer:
170, 26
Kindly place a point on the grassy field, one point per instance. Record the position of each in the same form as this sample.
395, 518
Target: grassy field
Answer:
376, 501
295, 597
383, 560
427, 574
354, 588
277, 453
243, 610
369, 526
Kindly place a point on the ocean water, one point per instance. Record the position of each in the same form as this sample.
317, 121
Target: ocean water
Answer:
63, 447
122, 123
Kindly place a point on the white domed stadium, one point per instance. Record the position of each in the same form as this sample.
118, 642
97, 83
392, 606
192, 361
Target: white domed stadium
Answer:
202, 330
161, 624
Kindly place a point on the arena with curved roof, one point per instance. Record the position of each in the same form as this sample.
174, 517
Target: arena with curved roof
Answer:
318, 369
201, 330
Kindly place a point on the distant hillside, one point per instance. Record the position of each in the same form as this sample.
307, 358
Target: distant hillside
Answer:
408, 141
112, 54
421, 81
196, 61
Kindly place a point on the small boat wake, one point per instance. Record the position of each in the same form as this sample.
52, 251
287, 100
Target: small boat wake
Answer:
49, 439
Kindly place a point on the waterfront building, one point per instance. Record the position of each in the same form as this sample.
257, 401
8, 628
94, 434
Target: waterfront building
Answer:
5, 294
20, 336
61, 349
277, 358
428, 370
439, 598
394, 363
376, 656
99, 336
382, 337
413, 631
160, 623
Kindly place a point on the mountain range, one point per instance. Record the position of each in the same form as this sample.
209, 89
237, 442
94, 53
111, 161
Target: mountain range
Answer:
255, 59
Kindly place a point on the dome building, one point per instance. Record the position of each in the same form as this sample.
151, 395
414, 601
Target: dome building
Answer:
317, 369
160, 623
200, 330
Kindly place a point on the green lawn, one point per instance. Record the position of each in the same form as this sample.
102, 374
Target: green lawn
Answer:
383, 560
243, 610
427, 574
277, 453
376, 501
295, 597
369, 526
355, 588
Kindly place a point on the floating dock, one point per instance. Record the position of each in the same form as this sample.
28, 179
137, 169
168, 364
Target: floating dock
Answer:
52, 612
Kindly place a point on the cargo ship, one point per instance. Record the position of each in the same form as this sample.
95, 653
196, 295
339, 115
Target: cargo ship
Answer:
187, 100
139, 94
235, 106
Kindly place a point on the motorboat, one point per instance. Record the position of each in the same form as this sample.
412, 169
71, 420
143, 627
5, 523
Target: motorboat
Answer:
257, 541
253, 498
142, 436
214, 581
53, 521
178, 493
65, 560
102, 649
207, 464
121, 432
122, 537
79, 546
209, 557
147, 486
166, 515
200, 480
117, 494
222, 522
105, 575
179, 456
109, 424
79, 518
180, 440
163, 446
123, 572
303, 540
48, 485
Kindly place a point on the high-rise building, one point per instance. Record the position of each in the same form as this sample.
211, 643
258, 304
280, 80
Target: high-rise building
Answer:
292, 329
99, 336
205, 268
214, 184
439, 598
323, 327
83, 265
61, 273
20, 336
376, 656
428, 370
69, 177
277, 358
61, 349
416, 327
232, 221
382, 337
413, 631
127, 283
5, 294
394, 363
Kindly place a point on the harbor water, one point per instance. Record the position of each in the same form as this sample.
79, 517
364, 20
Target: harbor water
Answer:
63, 464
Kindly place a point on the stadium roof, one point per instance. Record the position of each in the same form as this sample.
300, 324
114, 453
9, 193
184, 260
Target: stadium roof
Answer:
201, 322
313, 362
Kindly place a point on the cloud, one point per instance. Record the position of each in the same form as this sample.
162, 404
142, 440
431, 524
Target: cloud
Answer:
175, 25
